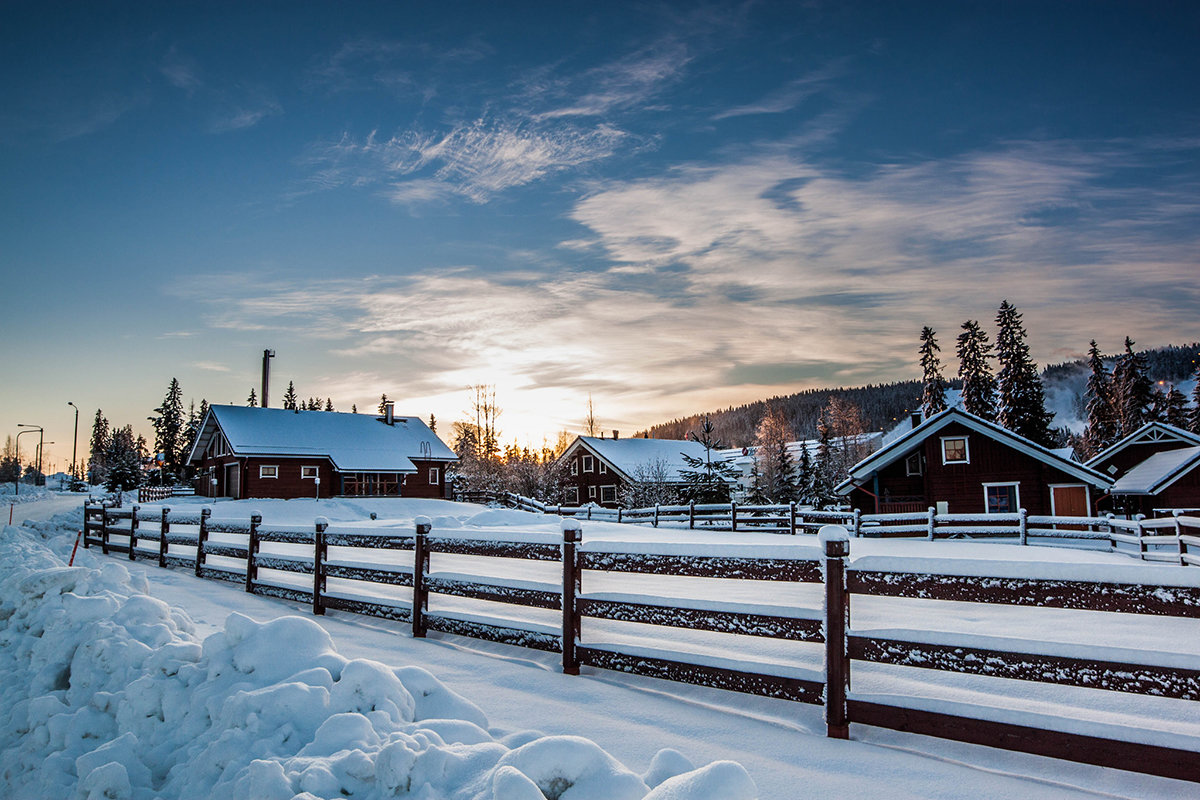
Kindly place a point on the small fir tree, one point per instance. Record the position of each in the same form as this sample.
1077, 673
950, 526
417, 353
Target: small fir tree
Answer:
1021, 406
329, 404
383, 401
98, 454
805, 476
978, 384
252, 400
933, 391
706, 480
433, 423
290, 398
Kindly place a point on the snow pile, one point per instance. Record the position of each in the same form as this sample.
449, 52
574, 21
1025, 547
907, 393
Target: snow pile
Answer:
109, 695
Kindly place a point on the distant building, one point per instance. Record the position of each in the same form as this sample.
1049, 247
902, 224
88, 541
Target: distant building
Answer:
244, 452
963, 464
1155, 467
742, 458
598, 468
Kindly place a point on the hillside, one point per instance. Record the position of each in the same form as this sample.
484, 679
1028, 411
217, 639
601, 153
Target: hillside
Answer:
883, 404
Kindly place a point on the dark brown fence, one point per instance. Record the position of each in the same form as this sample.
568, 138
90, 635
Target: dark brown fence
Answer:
356, 560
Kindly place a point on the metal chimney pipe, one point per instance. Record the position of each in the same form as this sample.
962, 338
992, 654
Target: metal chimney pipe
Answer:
266, 375
389, 413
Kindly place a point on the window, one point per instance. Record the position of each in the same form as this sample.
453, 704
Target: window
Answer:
435, 476
912, 465
573, 494
588, 464
1001, 498
954, 450
308, 473
603, 468
574, 466
265, 471
591, 493
608, 494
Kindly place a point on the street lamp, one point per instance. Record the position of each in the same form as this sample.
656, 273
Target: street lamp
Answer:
32, 428
74, 443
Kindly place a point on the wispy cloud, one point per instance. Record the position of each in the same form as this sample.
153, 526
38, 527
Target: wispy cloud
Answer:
790, 95
211, 366
628, 82
180, 70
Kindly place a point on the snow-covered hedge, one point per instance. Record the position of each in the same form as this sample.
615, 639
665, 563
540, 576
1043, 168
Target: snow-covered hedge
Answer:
108, 693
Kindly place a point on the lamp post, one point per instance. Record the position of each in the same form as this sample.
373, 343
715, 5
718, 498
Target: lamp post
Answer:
74, 443
19, 435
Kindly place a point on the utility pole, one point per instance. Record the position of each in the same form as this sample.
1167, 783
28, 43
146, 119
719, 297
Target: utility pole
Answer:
266, 375
75, 441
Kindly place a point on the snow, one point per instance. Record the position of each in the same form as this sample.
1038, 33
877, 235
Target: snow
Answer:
114, 690
1156, 472
628, 455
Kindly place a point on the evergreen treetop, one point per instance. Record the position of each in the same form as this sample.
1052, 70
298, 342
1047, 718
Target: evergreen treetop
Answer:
933, 385
1021, 406
290, 399
1133, 392
252, 400
978, 384
1101, 421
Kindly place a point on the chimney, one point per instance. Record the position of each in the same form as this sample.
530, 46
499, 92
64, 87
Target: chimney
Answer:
616, 435
389, 413
266, 376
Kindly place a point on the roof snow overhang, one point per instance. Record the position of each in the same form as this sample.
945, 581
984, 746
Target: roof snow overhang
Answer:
902, 447
1149, 433
1158, 472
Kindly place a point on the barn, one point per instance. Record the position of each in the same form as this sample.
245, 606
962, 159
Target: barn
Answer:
962, 464
242, 452
599, 468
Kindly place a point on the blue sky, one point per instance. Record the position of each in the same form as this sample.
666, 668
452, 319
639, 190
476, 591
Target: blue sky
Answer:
670, 207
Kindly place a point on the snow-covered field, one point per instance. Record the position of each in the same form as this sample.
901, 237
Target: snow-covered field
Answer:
126, 680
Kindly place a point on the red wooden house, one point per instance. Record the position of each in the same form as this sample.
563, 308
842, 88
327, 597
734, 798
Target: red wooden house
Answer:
599, 468
962, 464
1155, 467
244, 452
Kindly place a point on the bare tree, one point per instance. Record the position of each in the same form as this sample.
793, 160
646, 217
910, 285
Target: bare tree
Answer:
649, 486
590, 426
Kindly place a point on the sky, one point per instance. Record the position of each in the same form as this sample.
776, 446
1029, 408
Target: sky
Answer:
666, 207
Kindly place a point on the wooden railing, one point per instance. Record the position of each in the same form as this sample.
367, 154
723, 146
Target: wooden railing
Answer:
357, 570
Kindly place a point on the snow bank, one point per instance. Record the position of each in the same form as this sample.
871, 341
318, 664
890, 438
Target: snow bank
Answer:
108, 694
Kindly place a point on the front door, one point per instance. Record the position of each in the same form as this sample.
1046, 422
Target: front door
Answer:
233, 481
1069, 501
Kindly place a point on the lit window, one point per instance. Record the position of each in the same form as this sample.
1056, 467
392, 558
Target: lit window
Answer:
954, 450
434, 476
1001, 498
268, 472
308, 473
912, 465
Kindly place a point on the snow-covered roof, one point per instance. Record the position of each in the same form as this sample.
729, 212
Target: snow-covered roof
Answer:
627, 455
1149, 433
900, 447
1158, 471
353, 442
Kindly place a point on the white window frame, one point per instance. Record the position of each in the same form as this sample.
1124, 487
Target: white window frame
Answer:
908, 470
573, 494
591, 493
305, 473
574, 466
435, 476
612, 487
603, 470
1016, 485
966, 449
589, 463
262, 471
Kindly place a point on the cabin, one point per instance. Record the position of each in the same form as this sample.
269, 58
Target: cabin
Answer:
1155, 468
598, 468
959, 463
242, 452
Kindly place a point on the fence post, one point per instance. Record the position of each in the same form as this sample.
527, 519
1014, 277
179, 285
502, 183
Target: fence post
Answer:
201, 538
163, 529
733, 515
319, 553
1179, 539
792, 517
857, 522
655, 515
932, 518
133, 526
1141, 537
104, 532
691, 514
252, 551
618, 515
572, 535
1023, 525
420, 602
1112, 543
836, 542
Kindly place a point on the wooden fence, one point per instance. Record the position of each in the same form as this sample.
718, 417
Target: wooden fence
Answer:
359, 560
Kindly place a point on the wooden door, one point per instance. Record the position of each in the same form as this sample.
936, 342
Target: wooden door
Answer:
233, 481
1069, 501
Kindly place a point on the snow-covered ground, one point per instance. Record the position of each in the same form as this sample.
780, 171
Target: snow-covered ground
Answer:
126, 680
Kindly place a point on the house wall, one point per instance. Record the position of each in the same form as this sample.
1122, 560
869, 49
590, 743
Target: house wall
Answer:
590, 485
419, 484
961, 485
1130, 456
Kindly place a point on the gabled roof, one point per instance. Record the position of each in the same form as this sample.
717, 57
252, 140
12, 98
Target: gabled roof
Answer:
903, 446
1149, 433
353, 442
1158, 471
627, 455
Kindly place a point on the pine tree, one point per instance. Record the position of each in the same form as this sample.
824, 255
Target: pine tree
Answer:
978, 384
1194, 415
252, 400
123, 460
432, 423
329, 404
775, 474
1175, 408
383, 401
1133, 392
289, 397
354, 408
826, 469
933, 391
10, 467
804, 477
169, 427
1101, 421
98, 454
1022, 400
707, 480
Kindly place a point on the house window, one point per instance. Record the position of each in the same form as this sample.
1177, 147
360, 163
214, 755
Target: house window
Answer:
603, 468
308, 473
912, 465
265, 471
608, 494
573, 494
434, 476
574, 467
1001, 498
591, 493
588, 464
954, 450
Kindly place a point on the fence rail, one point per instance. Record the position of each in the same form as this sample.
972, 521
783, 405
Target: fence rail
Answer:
355, 570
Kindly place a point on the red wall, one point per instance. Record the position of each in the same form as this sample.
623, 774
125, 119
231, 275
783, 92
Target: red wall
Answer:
594, 479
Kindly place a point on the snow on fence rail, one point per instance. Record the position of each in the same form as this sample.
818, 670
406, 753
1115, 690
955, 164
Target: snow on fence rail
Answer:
355, 569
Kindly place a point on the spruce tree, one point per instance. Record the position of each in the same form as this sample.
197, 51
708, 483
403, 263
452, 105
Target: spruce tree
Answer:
329, 404
169, 427
1175, 408
1101, 420
1021, 406
383, 401
1133, 392
432, 423
252, 400
98, 454
804, 477
827, 466
706, 480
1194, 414
289, 397
978, 384
933, 391
123, 460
